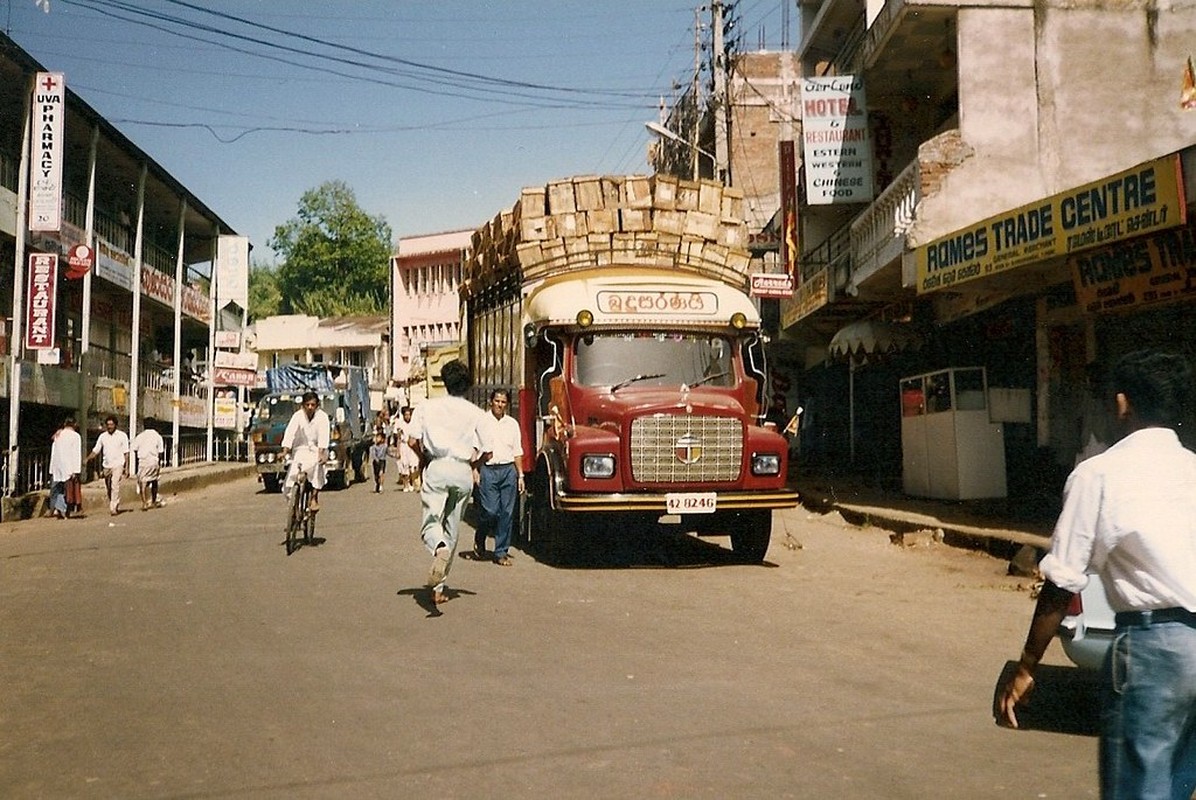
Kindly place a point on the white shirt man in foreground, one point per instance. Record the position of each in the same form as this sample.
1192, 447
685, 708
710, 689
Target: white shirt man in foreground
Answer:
443, 432
1129, 516
306, 439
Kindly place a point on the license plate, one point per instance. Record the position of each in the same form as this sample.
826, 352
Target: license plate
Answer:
690, 502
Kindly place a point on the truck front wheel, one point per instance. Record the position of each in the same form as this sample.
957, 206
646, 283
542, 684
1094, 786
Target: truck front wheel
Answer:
751, 531
544, 530
271, 482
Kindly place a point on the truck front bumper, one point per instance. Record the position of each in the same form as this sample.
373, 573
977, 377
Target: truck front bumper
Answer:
656, 501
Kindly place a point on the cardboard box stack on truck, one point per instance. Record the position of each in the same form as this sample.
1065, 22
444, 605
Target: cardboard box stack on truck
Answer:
344, 395
616, 309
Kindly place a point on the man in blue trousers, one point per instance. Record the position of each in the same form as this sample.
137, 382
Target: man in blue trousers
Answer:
499, 476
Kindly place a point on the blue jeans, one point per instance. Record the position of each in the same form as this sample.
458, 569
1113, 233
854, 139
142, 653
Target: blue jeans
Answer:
58, 496
1148, 714
497, 490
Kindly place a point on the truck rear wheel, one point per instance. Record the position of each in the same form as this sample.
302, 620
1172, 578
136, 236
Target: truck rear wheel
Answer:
271, 482
751, 532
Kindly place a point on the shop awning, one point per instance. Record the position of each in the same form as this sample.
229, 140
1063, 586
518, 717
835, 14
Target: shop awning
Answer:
868, 336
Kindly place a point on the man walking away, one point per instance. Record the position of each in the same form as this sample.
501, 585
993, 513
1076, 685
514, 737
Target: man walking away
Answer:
1129, 516
149, 447
114, 444
499, 476
443, 432
66, 462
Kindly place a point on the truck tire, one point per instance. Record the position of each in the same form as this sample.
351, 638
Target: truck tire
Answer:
360, 456
271, 482
751, 532
545, 530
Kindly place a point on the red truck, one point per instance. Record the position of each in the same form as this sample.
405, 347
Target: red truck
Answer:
616, 309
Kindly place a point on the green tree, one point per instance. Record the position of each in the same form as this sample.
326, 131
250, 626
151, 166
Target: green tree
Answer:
265, 298
335, 257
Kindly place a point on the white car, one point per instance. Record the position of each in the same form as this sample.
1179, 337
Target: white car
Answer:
1087, 631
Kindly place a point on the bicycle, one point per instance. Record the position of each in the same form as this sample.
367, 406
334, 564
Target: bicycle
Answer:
300, 518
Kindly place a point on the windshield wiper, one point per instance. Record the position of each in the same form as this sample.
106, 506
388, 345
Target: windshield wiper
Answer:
713, 377
636, 379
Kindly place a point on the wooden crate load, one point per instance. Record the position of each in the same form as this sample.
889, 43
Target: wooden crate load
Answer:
636, 220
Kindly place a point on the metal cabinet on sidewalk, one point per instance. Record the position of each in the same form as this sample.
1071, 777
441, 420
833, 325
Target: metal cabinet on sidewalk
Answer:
950, 447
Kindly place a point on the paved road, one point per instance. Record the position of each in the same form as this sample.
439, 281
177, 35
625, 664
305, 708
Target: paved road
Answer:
179, 653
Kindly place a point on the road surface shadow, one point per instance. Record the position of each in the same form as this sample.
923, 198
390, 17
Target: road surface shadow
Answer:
316, 541
623, 549
1064, 700
422, 596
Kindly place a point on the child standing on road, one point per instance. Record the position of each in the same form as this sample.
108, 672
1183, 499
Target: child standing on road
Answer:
378, 460
408, 461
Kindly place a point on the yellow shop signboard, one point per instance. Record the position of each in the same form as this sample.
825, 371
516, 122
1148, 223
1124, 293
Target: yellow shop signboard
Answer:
1141, 200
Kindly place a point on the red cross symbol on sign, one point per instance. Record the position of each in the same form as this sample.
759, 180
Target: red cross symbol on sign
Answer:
49, 83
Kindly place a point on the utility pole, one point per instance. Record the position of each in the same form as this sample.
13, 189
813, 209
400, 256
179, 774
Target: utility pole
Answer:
718, 103
695, 90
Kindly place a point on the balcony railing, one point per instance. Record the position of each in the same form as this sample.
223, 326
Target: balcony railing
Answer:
878, 234
833, 254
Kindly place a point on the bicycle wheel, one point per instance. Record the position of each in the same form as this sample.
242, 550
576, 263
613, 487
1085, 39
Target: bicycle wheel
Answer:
294, 519
309, 519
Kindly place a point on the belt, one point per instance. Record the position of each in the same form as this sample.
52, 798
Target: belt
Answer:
504, 464
1154, 616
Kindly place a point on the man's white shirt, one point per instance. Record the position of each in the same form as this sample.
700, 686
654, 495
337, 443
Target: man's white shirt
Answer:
500, 437
113, 447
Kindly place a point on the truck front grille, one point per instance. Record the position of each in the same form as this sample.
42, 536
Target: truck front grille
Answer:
662, 444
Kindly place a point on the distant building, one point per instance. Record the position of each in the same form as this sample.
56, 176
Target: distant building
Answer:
425, 279
356, 341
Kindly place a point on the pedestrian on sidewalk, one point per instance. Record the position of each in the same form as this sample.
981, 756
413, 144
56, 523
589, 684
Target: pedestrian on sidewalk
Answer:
499, 477
114, 445
378, 460
149, 447
443, 433
1129, 517
66, 462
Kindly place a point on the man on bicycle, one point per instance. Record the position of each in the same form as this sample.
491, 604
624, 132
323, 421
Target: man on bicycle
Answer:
306, 437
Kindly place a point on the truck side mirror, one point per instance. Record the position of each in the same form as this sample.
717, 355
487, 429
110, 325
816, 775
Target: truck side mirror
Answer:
340, 415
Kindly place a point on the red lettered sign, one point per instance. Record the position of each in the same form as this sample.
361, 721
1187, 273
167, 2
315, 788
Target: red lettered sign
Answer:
41, 302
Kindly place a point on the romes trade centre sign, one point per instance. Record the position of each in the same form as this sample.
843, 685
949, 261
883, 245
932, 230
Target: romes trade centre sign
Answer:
1146, 198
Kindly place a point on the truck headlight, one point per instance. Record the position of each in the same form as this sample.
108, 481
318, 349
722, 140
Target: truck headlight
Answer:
270, 458
597, 466
766, 464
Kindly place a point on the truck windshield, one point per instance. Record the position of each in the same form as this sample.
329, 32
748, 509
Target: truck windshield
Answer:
655, 359
281, 406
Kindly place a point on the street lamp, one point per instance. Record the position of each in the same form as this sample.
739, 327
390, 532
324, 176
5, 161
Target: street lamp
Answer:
663, 132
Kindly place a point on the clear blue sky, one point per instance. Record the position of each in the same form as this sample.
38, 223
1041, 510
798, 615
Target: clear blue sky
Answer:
435, 112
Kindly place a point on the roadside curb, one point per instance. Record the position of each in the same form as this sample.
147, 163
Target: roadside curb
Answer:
172, 481
960, 526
